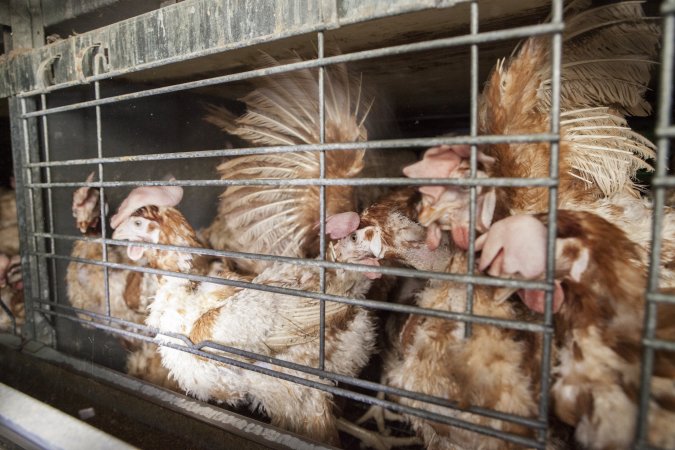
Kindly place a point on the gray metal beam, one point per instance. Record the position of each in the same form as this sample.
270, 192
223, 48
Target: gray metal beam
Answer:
207, 425
189, 28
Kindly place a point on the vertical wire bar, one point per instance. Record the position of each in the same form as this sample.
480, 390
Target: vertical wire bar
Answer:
322, 206
663, 154
50, 203
102, 220
556, 63
34, 281
471, 262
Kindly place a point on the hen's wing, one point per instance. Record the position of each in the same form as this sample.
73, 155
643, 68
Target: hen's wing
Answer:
284, 110
608, 52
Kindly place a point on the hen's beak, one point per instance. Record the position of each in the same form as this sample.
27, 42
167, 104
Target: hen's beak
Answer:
123, 233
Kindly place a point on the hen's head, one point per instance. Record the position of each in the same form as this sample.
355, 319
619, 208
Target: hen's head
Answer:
86, 210
354, 245
447, 207
146, 215
594, 259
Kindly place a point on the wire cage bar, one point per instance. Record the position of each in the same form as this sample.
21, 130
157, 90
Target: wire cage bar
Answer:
40, 237
659, 193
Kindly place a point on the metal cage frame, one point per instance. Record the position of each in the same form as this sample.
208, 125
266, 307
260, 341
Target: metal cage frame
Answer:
30, 115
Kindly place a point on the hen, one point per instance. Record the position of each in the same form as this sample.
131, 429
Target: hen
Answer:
282, 326
9, 228
130, 292
433, 356
606, 58
284, 110
11, 294
11, 285
599, 274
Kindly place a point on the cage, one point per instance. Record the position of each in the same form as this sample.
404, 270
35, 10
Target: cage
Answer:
111, 95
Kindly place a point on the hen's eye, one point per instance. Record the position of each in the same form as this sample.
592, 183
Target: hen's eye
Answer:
353, 237
137, 223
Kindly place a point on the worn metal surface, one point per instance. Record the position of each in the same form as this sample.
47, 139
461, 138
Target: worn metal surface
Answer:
158, 41
33, 424
213, 428
198, 28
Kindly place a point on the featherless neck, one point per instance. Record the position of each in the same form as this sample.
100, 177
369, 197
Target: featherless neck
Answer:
420, 257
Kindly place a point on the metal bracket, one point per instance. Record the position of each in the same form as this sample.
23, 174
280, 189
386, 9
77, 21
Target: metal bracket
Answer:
45, 71
94, 60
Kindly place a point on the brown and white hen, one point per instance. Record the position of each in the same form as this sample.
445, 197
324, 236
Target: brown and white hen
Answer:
599, 153
283, 110
599, 305
130, 292
282, 326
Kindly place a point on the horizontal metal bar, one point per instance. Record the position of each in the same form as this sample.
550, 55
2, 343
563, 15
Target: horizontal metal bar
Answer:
663, 182
376, 387
148, 403
661, 298
307, 262
659, 344
381, 144
313, 384
480, 38
496, 182
667, 132
373, 304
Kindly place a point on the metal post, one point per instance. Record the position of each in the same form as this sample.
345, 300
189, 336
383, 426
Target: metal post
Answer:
663, 140
322, 204
556, 63
471, 260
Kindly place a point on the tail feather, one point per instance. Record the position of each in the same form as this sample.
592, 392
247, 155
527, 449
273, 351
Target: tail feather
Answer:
608, 54
607, 57
284, 110
604, 151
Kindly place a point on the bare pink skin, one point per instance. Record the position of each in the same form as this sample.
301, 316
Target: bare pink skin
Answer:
448, 206
460, 235
536, 299
340, 226
433, 236
515, 247
146, 196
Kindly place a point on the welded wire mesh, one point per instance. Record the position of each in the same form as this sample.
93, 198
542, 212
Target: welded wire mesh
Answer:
39, 237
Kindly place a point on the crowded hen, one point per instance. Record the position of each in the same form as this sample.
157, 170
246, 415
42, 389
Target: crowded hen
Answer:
283, 326
11, 282
129, 292
599, 304
599, 154
434, 356
284, 110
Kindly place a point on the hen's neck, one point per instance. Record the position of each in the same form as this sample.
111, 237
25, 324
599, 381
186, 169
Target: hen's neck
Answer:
407, 244
420, 257
175, 230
